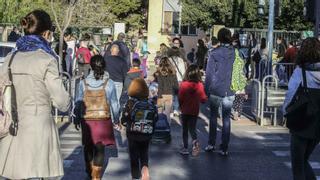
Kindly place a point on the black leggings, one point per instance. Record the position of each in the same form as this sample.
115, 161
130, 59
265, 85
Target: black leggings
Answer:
189, 123
139, 156
95, 154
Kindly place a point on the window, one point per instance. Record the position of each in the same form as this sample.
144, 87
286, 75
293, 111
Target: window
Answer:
175, 22
170, 22
4, 51
171, 19
188, 30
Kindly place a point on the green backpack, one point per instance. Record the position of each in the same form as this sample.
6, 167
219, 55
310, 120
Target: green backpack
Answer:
239, 81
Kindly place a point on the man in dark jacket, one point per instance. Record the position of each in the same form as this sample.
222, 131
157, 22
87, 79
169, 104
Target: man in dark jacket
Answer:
124, 51
117, 68
217, 84
14, 35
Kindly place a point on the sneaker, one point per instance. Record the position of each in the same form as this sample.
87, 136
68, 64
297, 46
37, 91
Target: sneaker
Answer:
195, 148
209, 148
184, 151
224, 153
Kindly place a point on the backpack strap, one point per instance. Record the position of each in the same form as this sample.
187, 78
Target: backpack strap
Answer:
9, 65
85, 84
14, 105
175, 64
105, 83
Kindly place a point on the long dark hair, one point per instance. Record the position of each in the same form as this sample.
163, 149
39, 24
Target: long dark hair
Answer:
97, 65
309, 52
165, 67
263, 44
192, 74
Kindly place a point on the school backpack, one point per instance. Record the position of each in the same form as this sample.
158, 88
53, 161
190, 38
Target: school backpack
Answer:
239, 81
96, 106
143, 117
8, 115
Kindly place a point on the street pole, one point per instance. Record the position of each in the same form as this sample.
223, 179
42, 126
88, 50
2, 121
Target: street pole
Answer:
317, 14
270, 28
180, 16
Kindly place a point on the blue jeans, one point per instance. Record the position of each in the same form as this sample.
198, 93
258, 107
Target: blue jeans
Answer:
119, 87
226, 106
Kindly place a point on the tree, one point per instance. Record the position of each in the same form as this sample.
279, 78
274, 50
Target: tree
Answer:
291, 17
12, 11
242, 13
92, 14
63, 12
206, 13
129, 12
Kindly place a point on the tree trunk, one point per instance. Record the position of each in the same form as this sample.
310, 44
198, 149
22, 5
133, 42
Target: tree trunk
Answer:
61, 50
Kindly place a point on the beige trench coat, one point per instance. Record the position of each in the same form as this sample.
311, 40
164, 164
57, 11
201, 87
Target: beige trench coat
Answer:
35, 151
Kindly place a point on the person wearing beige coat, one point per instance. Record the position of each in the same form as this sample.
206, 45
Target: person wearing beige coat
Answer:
35, 151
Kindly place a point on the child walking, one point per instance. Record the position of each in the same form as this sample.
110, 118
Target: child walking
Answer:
191, 87
139, 116
167, 81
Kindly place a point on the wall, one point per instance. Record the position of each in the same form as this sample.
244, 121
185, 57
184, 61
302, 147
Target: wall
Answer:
155, 37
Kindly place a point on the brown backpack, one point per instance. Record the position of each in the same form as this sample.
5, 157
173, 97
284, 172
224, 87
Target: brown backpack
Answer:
96, 106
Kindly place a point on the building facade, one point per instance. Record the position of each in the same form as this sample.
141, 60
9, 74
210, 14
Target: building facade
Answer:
164, 23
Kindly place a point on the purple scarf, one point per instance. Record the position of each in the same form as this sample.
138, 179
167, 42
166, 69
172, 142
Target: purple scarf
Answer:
34, 42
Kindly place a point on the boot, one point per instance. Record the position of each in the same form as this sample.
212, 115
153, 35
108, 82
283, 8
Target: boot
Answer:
89, 168
145, 173
96, 172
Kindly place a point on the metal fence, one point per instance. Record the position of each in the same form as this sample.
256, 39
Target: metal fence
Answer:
263, 33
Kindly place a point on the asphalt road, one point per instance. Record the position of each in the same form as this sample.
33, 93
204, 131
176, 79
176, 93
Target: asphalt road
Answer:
256, 153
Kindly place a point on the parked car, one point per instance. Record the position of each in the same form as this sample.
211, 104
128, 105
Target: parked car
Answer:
5, 49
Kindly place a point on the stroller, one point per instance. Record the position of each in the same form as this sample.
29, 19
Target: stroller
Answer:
162, 130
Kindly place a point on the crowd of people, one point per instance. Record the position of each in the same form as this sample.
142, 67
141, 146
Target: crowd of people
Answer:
113, 94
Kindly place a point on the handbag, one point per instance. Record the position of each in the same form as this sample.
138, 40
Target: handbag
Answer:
8, 107
303, 110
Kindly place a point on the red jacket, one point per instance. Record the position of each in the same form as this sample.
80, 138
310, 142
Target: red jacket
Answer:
290, 55
191, 94
86, 54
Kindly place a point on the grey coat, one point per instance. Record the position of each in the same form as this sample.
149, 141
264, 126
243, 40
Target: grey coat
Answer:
35, 151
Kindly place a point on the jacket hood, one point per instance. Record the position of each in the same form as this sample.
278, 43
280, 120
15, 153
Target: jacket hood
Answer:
138, 89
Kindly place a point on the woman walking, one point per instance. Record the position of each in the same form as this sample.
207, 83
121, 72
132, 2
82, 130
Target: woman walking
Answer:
98, 110
35, 151
168, 85
304, 141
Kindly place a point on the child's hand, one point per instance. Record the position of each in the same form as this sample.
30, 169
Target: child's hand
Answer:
117, 126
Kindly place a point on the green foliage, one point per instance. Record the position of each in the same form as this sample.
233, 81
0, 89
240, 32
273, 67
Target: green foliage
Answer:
205, 13
242, 13
291, 17
12, 11
88, 13
128, 11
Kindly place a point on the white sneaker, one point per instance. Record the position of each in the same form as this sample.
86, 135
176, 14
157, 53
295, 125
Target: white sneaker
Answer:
209, 148
184, 151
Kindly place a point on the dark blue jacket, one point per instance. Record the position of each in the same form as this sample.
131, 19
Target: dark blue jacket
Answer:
219, 71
